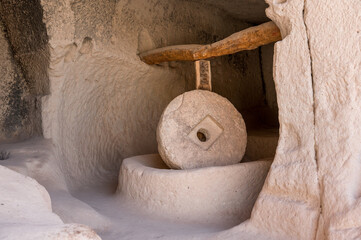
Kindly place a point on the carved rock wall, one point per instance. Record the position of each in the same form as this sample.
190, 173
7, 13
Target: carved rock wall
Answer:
105, 103
335, 44
19, 109
313, 188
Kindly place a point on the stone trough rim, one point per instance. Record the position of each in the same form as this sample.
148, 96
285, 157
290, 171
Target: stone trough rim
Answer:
230, 191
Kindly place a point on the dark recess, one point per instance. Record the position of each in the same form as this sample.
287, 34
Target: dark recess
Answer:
23, 20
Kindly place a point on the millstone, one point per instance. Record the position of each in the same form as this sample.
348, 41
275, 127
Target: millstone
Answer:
201, 129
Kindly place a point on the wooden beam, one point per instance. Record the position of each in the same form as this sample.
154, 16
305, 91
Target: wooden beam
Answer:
203, 75
248, 39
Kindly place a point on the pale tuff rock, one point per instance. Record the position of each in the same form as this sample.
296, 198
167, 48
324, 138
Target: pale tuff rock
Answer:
201, 195
201, 129
104, 106
25, 210
288, 206
335, 44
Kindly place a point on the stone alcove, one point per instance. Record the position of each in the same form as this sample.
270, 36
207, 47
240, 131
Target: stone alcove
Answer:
101, 104
98, 103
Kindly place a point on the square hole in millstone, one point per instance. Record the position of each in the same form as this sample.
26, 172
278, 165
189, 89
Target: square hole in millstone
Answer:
206, 133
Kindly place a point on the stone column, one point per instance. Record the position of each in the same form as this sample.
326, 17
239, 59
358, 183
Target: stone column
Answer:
334, 32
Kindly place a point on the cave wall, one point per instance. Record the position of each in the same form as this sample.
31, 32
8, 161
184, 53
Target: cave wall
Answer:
269, 112
334, 33
267, 53
18, 108
105, 103
313, 188
288, 206
292, 184
80, 82
24, 67
29, 41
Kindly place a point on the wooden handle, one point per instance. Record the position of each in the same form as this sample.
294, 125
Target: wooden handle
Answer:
247, 39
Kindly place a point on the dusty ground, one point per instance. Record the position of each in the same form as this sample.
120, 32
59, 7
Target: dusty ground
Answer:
97, 205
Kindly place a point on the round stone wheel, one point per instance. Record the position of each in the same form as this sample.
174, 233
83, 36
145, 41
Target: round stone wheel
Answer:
201, 129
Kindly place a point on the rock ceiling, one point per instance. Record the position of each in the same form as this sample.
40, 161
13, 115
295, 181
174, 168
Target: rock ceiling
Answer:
252, 11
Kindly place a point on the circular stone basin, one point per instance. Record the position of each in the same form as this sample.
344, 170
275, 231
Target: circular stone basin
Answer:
203, 195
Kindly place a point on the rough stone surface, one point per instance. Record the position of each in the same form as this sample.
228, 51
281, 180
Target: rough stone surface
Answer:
261, 144
29, 41
19, 110
249, 11
288, 206
188, 195
292, 184
35, 159
335, 44
201, 112
267, 53
115, 216
105, 105
25, 210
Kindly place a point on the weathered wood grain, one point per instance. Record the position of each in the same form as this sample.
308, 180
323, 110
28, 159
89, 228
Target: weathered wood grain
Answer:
247, 39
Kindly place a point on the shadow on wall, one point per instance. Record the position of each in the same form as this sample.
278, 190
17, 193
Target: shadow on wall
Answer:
28, 39
24, 52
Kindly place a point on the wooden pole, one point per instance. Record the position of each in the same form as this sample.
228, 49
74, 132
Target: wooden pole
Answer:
248, 39
203, 75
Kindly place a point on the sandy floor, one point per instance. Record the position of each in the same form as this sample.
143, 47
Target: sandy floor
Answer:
128, 222
97, 206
